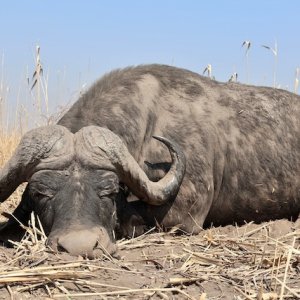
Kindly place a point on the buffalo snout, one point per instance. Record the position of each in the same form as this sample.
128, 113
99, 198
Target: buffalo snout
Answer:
86, 242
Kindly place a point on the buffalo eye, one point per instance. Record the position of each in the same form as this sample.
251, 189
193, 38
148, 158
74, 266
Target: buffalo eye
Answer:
38, 196
106, 193
40, 192
107, 189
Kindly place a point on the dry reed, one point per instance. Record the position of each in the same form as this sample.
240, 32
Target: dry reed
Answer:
250, 262
247, 44
274, 51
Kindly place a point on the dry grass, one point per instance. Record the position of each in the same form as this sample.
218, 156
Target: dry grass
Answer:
248, 262
9, 142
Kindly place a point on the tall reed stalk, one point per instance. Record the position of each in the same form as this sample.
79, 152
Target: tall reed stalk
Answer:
296, 83
208, 71
247, 45
274, 51
40, 85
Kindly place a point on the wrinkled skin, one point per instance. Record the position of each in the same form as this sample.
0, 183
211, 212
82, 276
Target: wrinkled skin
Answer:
241, 145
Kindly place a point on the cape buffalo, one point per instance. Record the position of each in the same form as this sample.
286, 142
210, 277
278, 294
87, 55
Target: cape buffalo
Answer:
234, 156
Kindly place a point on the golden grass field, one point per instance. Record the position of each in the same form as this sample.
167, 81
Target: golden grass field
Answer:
9, 141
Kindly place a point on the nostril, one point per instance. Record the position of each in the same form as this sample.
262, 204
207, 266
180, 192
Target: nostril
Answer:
107, 248
61, 248
52, 244
96, 245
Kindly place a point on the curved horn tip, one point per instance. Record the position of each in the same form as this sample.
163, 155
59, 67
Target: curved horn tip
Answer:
157, 137
165, 141
171, 145
172, 180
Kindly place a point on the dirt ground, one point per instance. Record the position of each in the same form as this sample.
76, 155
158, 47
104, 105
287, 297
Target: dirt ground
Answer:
248, 262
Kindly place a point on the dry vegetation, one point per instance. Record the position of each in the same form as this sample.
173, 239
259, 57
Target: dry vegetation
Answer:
249, 262
7, 145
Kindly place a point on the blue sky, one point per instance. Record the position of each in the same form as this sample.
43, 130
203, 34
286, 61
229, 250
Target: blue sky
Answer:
81, 40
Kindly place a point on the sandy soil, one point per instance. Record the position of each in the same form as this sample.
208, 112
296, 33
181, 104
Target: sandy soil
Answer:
249, 262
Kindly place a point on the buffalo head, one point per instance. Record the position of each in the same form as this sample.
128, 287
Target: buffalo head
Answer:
73, 182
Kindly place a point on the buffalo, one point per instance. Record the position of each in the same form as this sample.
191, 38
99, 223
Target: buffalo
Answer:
155, 145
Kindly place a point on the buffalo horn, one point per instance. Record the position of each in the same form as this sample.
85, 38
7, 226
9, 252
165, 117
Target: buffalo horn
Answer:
40, 148
106, 145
